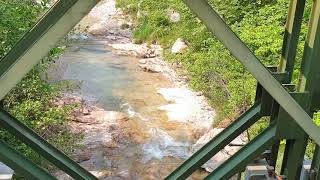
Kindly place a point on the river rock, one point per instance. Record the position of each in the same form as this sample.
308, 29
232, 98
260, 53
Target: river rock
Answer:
137, 50
179, 46
151, 65
224, 154
109, 116
141, 14
102, 173
97, 29
175, 17
80, 156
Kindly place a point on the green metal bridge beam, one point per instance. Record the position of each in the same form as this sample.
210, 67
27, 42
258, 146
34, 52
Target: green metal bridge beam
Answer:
217, 143
296, 138
293, 157
240, 51
245, 155
309, 77
289, 50
315, 167
41, 146
291, 37
310, 71
22, 165
44, 36
275, 147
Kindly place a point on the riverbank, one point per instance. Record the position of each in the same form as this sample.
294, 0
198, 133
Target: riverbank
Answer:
138, 116
118, 114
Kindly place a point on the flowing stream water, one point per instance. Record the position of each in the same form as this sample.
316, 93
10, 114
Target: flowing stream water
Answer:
116, 83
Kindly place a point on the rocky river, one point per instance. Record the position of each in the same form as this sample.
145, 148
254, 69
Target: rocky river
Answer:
138, 117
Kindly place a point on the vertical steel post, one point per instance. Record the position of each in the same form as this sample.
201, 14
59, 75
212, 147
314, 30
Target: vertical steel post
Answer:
291, 37
293, 157
309, 77
289, 51
315, 167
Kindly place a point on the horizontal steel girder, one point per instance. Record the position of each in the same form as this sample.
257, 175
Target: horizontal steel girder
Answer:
217, 143
22, 165
240, 51
41, 146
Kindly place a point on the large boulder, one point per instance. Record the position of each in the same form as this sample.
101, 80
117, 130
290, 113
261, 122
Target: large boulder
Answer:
179, 46
175, 17
137, 50
151, 65
102, 116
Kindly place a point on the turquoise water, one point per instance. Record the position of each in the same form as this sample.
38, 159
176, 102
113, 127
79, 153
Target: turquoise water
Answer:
98, 72
116, 83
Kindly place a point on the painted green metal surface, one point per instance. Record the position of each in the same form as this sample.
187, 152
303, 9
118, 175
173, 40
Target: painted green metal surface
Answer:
291, 37
217, 143
290, 116
240, 51
44, 36
41, 146
293, 157
22, 165
287, 127
310, 71
245, 155
315, 167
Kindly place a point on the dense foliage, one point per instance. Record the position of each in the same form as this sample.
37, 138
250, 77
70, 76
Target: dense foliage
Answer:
31, 101
211, 68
